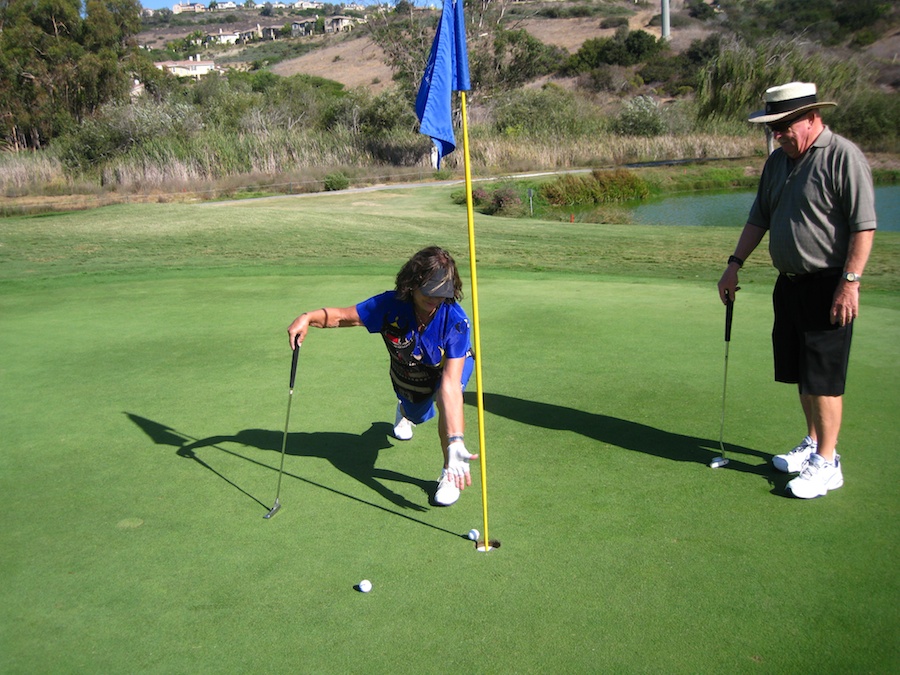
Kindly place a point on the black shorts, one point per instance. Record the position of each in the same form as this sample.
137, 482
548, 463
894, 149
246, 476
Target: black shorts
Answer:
810, 350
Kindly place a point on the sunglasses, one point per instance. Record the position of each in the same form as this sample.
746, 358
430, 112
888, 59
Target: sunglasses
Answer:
781, 127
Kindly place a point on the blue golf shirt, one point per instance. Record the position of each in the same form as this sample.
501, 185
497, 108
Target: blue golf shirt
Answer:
417, 358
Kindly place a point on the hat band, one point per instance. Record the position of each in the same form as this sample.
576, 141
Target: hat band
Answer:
776, 107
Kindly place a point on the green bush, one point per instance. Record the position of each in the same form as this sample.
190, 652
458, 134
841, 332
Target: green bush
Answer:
118, 128
640, 117
614, 22
547, 112
871, 119
505, 201
336, 181
698, 9
599, 187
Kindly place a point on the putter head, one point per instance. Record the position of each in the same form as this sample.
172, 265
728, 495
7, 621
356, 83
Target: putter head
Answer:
718, 462
274, 509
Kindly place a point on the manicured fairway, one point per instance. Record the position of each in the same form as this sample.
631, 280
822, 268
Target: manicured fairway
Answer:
142, 403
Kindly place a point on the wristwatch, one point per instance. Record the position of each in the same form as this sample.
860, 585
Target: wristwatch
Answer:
851, 276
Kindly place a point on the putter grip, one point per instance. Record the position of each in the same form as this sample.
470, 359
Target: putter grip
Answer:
294, 364
729, 313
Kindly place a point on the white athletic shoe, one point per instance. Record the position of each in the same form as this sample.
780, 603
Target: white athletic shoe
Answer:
447, 493
403, 428
818, 477
793, 461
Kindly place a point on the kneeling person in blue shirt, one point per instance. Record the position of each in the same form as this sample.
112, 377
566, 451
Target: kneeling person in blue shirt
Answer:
427, 337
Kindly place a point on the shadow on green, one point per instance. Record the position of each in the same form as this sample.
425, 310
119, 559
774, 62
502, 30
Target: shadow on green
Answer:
625, 434
353, 454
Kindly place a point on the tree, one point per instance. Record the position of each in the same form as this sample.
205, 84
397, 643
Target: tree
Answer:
406, 41
515, 57
626, 48
56, 66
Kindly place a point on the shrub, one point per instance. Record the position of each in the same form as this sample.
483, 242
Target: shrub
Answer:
480, 197
599, 187
614, 22
626, 48
871, 120
550, 111
598, 79
641, 117
700, 10
504, 202
118, 128
336, 181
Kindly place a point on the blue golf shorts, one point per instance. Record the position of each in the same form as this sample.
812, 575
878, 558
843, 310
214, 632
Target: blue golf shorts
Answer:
424, 411
809, 350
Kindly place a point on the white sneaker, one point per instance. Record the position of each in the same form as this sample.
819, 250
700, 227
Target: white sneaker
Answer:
447, 492
818, 477
403, 428
793, 461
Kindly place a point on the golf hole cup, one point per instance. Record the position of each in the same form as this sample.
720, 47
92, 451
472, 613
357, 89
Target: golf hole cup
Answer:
365, 586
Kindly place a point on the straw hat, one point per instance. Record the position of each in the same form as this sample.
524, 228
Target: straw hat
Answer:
792, 99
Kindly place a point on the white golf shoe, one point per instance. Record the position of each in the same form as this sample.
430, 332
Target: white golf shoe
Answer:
793, 461
447, 493
817, 477
403, 428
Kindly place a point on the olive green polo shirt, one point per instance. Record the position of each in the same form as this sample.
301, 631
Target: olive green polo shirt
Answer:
811, 205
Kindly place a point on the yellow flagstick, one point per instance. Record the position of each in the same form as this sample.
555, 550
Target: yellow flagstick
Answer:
476, 330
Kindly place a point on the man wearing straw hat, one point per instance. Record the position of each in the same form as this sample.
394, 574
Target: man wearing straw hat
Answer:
817, 202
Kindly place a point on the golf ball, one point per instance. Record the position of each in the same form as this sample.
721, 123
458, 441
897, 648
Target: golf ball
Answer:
474, 534
365, 585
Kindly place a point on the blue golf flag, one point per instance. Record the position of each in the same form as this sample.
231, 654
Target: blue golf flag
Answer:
447, 71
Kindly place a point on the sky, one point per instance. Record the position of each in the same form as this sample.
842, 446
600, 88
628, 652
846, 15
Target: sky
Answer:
168, 4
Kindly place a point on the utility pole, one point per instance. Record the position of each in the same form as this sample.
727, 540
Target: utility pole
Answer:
665, 19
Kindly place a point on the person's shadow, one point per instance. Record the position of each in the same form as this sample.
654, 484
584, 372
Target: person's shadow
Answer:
618, 432
353, 454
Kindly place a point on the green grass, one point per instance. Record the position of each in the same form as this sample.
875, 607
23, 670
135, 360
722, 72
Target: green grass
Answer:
143, 385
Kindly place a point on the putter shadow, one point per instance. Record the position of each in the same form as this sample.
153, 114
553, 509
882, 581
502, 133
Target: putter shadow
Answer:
620, 433
352, 454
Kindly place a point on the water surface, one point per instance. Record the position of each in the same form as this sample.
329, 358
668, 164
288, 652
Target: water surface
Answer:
732, 207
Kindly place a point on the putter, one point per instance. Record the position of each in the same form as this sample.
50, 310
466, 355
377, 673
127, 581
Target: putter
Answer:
277, 505
729, 313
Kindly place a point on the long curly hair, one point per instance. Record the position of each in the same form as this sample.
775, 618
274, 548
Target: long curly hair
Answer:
419, 269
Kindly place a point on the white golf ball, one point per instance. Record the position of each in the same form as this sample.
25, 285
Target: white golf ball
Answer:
474, 534
365, 585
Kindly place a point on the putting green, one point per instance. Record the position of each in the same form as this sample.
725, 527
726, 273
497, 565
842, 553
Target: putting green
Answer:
141, 429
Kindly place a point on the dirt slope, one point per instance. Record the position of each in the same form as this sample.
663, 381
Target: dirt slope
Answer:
356, 62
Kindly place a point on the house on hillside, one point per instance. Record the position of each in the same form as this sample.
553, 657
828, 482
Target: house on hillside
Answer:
259, 33
271, 32
193, 67
190, 8
250, 34
338, 24
308, 5
221, 38
303, 27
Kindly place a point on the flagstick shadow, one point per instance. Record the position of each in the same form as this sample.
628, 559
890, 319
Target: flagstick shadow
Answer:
620, 433
345, 451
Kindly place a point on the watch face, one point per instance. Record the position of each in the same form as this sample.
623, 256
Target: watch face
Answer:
850, 276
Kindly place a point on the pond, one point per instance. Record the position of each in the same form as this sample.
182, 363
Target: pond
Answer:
731, 208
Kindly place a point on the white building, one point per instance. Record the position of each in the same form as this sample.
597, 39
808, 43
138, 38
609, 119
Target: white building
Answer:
193, 67
194, 7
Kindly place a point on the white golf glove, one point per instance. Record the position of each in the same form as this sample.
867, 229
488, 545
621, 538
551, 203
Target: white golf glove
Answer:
458, 461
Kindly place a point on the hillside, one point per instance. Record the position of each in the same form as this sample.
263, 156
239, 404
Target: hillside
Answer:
355, 61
